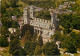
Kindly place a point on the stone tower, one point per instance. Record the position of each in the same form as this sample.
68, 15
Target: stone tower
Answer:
26, 16
54, 20
32, 12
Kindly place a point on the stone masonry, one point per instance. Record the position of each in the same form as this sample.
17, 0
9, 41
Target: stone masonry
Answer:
42, 27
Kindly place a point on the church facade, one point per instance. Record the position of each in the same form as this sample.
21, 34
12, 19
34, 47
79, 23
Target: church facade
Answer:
42, 27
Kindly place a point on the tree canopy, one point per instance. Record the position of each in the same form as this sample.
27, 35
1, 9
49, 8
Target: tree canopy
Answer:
50, 48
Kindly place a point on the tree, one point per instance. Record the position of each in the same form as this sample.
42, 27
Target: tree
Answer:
6, 22
50, 48
30, 47
14, 46
19, 52
27, 36
25, 28
76, 22
70, 44
3, 41
73, 34
13, 3
44, 14
34, 37
4, 31
66, 20
56, 36
3, 38
78, 40
40, 41
15, 24
38, 50
70, 21
4, 5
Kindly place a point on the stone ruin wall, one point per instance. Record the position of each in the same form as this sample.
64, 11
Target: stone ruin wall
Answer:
42, 27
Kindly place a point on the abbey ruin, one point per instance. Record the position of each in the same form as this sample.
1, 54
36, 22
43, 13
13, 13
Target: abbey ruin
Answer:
42, 27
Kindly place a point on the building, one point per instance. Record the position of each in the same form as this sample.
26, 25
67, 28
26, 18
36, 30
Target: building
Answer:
42, 27
14, 18
12, 30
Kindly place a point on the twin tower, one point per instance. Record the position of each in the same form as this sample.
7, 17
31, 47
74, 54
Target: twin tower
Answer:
29, 14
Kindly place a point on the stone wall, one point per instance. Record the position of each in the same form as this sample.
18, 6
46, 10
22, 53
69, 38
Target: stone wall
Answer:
40, 23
